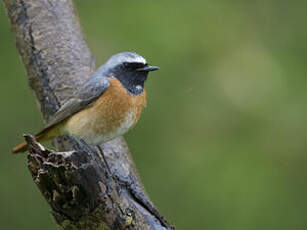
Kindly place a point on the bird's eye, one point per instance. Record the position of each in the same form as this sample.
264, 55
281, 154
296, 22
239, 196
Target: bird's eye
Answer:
133, 65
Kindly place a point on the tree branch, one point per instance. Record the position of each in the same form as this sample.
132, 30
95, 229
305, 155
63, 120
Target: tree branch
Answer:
82, 193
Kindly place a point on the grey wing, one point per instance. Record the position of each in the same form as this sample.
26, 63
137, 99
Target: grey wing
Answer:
92, 89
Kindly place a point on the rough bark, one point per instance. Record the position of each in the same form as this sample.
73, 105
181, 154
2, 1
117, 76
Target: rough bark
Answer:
75, 181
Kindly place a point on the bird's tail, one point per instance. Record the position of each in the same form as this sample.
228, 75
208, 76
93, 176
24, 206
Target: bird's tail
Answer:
45, 135
23, 147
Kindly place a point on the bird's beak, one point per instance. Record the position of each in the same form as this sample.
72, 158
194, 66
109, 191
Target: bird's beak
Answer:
148, 68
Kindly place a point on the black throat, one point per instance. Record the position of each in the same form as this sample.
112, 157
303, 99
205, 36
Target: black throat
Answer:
133, 81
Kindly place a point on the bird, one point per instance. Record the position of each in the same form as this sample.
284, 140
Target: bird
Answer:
108, 105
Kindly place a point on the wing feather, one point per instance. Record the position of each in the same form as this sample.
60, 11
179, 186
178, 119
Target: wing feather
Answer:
92, 89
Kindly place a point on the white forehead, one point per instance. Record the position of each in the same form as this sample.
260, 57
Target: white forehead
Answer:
137, 58
126, 57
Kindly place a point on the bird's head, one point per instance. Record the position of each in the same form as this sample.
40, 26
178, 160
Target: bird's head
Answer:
130, 69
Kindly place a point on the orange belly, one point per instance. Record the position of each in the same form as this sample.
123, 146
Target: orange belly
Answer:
112, 115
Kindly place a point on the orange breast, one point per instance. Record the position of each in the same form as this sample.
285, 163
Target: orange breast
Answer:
113, 114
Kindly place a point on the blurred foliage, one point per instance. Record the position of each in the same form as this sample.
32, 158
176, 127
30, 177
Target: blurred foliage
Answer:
222, 143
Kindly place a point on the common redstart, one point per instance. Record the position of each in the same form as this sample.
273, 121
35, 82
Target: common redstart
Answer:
107, 106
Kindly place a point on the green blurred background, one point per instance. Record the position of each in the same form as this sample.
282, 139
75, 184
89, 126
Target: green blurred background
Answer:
222, 143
